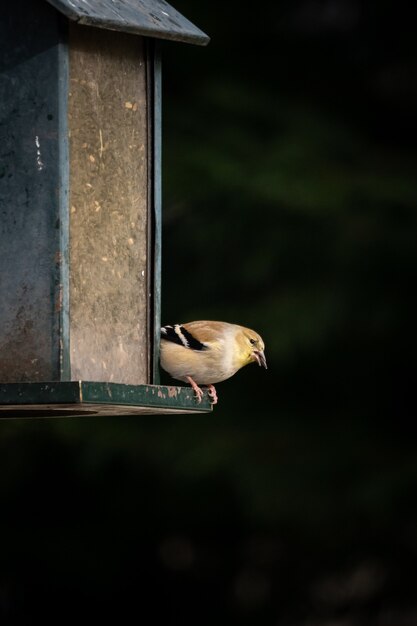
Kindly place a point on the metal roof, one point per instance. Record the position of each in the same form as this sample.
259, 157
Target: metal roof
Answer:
152, 18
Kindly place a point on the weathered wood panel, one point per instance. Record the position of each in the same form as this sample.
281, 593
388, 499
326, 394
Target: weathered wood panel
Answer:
108, 124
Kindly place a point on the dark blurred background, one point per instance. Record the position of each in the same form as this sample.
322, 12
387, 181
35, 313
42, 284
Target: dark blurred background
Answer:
290, 199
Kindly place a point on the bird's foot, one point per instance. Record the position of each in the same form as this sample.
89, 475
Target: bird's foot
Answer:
212, 394
199, 393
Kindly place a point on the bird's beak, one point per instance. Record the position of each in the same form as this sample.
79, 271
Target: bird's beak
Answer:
259, 357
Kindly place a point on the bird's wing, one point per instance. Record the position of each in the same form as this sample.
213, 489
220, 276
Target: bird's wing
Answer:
195, 335
207, 332
180, 335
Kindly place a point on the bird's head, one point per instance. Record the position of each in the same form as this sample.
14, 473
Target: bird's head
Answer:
251, 348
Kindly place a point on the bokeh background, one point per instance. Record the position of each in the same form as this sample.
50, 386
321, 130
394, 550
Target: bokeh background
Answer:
290, 199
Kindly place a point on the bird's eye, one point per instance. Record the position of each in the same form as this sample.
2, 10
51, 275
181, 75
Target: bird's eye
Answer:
253, 341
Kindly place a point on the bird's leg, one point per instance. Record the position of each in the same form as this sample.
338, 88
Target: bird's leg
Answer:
198, 391
212, 394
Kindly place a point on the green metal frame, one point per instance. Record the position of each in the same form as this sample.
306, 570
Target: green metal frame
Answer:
156, 186
63, 195
151, 18
92, 398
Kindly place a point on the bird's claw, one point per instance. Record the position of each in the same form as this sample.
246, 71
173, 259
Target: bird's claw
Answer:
199, 393
212, 394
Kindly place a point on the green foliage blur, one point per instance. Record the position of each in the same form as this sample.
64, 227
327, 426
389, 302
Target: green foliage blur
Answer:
290, 197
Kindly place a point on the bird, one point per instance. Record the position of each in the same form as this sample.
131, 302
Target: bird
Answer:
208, 352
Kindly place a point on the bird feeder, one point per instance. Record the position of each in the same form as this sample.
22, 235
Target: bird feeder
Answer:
80, 227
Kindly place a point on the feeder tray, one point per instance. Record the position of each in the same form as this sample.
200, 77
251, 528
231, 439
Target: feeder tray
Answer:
80, 398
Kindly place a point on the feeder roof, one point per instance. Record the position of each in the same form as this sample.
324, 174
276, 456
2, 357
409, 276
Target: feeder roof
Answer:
152, 18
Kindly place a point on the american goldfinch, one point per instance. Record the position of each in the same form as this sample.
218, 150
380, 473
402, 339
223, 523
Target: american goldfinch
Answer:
204, 353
